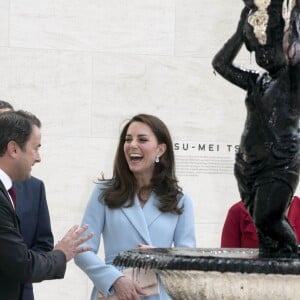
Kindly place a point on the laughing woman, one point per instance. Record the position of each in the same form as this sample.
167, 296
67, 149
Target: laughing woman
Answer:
131, 210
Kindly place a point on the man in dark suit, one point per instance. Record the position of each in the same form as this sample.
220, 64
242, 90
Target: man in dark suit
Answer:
33, 214
20, 140
32, 210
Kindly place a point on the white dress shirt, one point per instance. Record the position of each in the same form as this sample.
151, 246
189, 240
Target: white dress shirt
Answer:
7, 183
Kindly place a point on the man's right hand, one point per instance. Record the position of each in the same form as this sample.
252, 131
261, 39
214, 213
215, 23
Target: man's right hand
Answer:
70, 243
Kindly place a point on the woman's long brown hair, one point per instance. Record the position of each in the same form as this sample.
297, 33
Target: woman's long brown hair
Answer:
121, 189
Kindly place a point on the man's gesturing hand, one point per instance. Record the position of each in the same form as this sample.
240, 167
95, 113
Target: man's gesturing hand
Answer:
70, 243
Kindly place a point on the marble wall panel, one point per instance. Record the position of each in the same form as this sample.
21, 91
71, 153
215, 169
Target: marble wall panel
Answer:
70, 167
210, 235
209, 207
178, 89
112, 25
203, 26
4, 22
56, 85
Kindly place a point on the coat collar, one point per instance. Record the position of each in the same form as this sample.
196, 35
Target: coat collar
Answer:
142, 218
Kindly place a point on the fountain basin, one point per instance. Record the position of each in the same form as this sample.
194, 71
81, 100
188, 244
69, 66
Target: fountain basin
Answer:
214, 274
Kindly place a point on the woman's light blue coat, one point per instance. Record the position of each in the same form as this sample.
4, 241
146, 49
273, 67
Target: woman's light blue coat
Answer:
123, 229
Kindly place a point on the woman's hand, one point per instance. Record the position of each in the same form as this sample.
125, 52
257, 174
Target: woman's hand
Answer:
125, 289
143, 246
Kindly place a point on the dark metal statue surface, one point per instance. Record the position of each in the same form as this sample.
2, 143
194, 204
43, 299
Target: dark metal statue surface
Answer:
267, 163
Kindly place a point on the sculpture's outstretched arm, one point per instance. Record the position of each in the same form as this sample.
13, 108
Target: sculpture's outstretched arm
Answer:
223, 60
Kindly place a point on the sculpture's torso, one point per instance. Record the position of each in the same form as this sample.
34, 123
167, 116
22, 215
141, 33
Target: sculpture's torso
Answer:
272, 119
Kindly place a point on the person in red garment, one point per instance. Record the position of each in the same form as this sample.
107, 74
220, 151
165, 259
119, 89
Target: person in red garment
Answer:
239, 230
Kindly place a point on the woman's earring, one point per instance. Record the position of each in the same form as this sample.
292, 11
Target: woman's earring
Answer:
157, 159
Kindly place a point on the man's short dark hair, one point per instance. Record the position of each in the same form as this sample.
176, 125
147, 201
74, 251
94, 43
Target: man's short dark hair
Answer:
16, 126
5, 105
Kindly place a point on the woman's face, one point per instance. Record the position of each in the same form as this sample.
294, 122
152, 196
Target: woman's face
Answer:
141, 148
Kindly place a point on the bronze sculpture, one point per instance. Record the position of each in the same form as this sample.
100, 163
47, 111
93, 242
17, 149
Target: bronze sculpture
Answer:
267, 164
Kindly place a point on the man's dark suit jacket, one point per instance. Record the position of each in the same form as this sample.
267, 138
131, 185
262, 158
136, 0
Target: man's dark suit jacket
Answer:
32, 210
18, 264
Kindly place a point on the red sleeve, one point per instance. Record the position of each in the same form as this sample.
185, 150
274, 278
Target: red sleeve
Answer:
293, 216
231, 233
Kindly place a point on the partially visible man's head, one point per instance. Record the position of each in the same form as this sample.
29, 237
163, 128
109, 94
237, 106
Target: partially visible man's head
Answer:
20, 140
5, 106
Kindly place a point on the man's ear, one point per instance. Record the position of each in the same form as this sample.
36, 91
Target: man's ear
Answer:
12, 148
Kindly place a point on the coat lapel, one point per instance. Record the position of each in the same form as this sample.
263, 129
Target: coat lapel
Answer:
4, 191
151, 211
141, 219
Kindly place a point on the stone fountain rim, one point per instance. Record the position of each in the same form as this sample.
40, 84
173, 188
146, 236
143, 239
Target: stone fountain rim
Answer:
241, 260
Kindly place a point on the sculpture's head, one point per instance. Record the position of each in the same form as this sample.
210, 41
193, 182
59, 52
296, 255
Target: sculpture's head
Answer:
250, 3
263, 34
261, 4
270, 58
